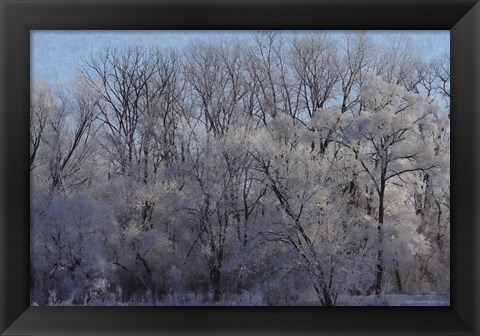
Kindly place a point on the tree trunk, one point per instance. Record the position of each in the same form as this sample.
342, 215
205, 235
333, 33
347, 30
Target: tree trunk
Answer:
215, 280
324, 295
381, 208
398, 279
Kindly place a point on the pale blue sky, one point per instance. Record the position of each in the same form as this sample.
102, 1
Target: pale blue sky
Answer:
56, 55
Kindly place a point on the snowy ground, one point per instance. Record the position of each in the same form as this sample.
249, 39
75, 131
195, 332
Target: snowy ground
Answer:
417, 300
195, 300
395, 300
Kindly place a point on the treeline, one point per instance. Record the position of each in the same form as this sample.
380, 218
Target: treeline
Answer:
272, 170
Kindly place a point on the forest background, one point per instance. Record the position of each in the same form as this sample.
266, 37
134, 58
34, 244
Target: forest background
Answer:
266, 168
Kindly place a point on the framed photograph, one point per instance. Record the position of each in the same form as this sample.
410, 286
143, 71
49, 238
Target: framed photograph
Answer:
239, 167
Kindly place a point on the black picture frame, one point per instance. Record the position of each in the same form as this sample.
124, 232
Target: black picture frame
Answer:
18, 17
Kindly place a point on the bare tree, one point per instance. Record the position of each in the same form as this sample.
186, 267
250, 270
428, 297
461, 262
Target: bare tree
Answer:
218, 85
314, 59
42, 105
119, 77
69, 141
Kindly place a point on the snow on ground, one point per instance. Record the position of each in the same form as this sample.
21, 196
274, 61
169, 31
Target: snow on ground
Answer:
417, 300
395, 300
247, 299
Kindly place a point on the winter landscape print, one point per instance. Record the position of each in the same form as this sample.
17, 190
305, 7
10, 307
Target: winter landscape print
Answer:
240, 168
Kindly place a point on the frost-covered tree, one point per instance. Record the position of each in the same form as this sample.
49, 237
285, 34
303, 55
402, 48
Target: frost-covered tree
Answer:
387, 138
